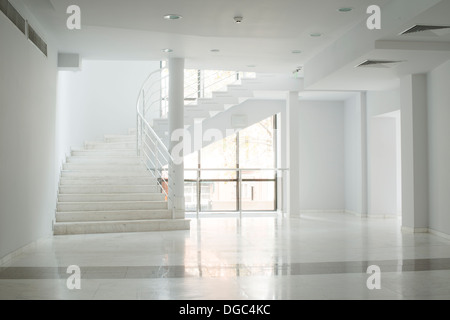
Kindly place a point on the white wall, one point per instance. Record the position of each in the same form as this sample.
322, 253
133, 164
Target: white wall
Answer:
380, 102
321, 143
439, 148
100, 99
383, 170
379, 178
27, 139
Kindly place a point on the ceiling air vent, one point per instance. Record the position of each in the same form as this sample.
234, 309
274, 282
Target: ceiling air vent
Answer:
4, 6
13, 15
383, 64
37, 40
423, 29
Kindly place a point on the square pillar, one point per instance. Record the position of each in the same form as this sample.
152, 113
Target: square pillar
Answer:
293, 154
414, 127
176, 134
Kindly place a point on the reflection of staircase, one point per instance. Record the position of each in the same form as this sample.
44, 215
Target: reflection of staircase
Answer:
105, 188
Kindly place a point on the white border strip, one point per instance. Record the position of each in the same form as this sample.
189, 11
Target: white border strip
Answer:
439, 234
6, 259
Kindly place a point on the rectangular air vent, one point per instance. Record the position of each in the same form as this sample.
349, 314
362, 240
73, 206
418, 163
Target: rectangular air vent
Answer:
383, 64
423, 29
37, 40
4, 7
15, 17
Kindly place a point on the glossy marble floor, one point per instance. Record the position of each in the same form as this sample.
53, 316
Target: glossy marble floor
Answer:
320, 256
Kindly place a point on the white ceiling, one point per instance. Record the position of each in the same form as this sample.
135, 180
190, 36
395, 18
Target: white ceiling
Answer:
135, 29
418, 53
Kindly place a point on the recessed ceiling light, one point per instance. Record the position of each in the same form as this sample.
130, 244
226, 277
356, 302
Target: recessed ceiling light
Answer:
238, 19
172, 16
215, 50
167, 50
315, 35
345, 9
296, 51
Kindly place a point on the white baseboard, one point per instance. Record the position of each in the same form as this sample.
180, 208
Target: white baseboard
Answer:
372, 216
354, 213
321, 211
300, 213
439, 234
414, 230
6, 259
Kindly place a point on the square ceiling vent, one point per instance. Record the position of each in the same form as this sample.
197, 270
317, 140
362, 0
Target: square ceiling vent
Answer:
426, 30
380, 64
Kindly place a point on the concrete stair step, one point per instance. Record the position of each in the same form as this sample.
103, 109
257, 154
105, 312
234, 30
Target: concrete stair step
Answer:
103, 167
239, 91
120, 138
110, 145
113, 181
103, 153
125, 215
108, 189
120, 226
104, 160
111, 197
196, 113
219, 98
104, 174
110, 206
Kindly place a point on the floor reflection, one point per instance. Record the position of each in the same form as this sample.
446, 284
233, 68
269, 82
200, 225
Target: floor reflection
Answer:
317, 256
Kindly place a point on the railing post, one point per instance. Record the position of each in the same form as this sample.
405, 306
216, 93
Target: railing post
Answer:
138, 149
239, 172
158, 172
199, 193
143, 104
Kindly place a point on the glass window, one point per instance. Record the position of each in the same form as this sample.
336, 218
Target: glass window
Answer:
220, 154
258, 196
218, 196
191, 162
256, 145
190, 194
251, 149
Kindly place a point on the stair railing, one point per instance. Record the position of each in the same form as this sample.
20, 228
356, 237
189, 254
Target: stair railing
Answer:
153, 102
201, 84
150, 148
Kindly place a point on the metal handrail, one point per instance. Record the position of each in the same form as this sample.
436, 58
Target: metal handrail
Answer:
239, 179
146, 137
236, 169
200, 93
149, 145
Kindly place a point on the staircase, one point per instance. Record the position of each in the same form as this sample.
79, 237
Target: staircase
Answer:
231, 96
105, 188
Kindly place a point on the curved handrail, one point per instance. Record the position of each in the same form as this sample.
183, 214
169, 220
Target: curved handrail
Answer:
157, 155
142, 117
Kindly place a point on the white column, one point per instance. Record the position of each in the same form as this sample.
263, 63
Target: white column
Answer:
414, 153
364, 154
293, 154
176, 127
